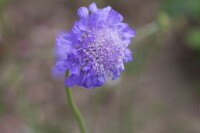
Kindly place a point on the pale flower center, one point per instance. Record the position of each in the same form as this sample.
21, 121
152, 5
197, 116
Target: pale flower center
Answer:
106, 52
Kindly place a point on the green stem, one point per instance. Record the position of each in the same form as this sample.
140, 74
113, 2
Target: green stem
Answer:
75, 110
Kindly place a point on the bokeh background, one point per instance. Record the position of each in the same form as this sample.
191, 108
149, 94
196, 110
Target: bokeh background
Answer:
159, 92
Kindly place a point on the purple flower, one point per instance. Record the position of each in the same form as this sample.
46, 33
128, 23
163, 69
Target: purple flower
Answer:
95, 48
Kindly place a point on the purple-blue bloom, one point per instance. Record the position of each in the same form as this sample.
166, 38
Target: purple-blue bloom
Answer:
95, 49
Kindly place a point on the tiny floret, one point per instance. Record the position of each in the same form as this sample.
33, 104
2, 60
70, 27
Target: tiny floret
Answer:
95, 49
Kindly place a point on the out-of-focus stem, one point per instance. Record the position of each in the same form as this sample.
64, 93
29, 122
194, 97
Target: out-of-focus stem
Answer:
146, 31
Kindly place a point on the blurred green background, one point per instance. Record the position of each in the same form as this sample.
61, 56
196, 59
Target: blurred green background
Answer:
158, 92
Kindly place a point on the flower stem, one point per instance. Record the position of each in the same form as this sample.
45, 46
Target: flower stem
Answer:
75, 110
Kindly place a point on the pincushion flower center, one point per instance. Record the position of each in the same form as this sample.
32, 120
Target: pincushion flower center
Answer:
105, 51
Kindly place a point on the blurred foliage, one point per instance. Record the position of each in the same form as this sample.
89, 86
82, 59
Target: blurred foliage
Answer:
4, 73
189, 10
193, 39
163, 20
2, 105
2, 4
141, 55
187, 7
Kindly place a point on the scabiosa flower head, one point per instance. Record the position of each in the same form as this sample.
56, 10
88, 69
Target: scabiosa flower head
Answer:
95, 48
